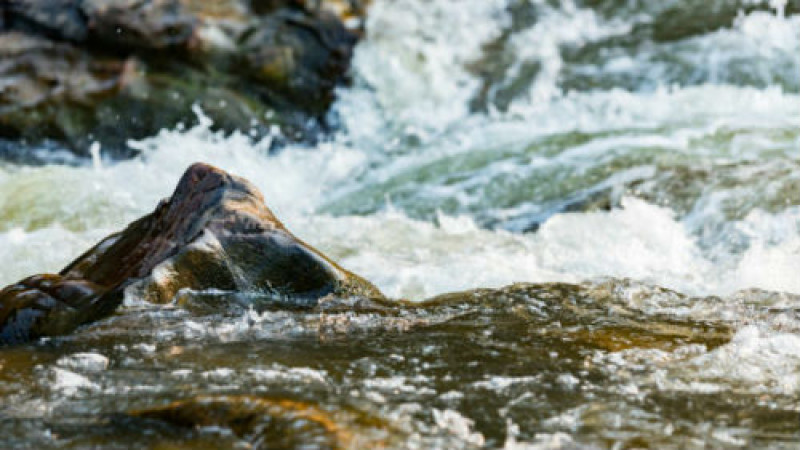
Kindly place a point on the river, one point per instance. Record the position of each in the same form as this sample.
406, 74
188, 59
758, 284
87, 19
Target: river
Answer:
648, 153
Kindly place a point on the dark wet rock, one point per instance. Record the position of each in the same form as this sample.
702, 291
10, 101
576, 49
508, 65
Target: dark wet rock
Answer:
55, 18
276, 55
157, 25
214, 232
79, 71
62, 93
50, 305
589, 315
694, 17
273, 422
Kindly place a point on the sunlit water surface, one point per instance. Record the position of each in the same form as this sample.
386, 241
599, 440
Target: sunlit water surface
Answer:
482, 143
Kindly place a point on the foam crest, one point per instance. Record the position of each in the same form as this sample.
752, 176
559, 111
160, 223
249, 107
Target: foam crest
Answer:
756, 360
411, 73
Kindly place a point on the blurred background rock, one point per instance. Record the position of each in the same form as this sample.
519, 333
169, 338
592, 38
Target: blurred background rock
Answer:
73, 72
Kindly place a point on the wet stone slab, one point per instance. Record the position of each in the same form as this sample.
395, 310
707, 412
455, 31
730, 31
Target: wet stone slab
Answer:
478, 368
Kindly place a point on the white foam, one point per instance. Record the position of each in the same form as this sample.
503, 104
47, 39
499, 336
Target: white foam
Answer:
772, 267
69, 383
754, 360
413, 65
638, 241
45, 250
566, 25
90, 362
279, 374
453, 422
541, 441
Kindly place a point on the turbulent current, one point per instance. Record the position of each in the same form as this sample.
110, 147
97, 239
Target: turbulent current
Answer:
645, 153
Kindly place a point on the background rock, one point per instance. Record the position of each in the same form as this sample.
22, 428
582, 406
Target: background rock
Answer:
78, 71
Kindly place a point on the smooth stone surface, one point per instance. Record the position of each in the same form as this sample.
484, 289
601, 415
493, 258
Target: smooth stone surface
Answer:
215, 232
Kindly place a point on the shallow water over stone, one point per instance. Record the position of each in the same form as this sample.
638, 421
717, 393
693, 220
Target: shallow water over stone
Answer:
596, 363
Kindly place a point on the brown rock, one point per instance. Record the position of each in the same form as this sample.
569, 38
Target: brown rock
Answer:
50, 305
214, 232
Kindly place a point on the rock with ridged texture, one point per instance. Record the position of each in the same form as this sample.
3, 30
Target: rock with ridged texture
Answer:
51, 305
215, 232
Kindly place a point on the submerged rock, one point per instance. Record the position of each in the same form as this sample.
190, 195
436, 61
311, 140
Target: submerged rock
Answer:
215, 232
274, 423
78, 71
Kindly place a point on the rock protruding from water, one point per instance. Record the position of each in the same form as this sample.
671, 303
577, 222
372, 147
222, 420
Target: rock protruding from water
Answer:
215, 232
73, 72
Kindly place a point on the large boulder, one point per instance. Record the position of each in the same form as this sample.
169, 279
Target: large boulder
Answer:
215, 232
77, 71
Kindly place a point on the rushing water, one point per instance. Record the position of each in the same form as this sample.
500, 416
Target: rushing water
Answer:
648, 151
